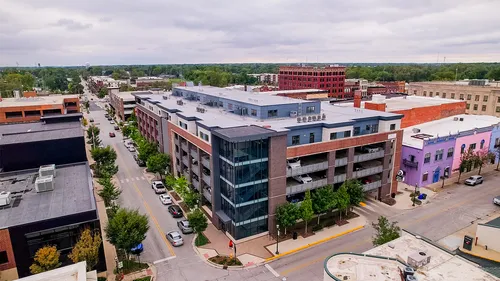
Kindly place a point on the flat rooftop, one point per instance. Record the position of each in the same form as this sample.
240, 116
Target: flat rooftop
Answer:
405, 102
39, 131
216, 117
38, 100
72, 194
73, 272
301, 91
462, 83
385, 261
446, 126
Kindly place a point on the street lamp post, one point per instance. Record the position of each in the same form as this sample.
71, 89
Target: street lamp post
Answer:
277, 239
415, 195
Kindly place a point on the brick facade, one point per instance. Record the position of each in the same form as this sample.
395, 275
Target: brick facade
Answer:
27, 112
5, 245
330, 78
425, 114
149, 125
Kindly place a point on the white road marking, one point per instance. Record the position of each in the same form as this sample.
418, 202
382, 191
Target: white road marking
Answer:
137, 178
165, 259
122, 181
276, 274
126, 180
142, 178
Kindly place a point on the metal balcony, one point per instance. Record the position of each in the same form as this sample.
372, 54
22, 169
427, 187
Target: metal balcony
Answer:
206, 178
339, 178
194, 153
205, 162
368, 156
368, 172
341, 162
196, 184
305, 186
306, 169
185, 161
409, 163
207, 195
372, 185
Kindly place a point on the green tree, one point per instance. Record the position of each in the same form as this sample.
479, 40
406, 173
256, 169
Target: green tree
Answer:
385, 231
286, 215
102, 93
109, 193
93, 136
355, 191
181, 186
323, 200
146, 149
126, 229
481, 158
191, 198
87, 249
197, 221
342, 199
46, 258
158, 163
306, 209
104, 158
466, 161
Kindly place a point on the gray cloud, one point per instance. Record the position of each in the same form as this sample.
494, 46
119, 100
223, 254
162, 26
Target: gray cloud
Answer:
197, 31
72, 25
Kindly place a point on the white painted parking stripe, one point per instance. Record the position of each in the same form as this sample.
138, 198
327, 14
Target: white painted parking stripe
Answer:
272, 270
126, 180
142, 178
122, 181
165, 259
137, 178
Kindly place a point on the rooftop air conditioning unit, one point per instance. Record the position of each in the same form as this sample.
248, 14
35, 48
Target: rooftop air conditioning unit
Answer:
179, 102
418, 259
5, 198
416, 130
165, 97
45, 183
318, 118
47, 170
461, 119
314, 117
299, 119
293, 114
323, 117
309, 118
304, 119
455, 119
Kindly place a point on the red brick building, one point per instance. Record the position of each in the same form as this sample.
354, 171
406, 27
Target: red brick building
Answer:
376, 90
394, 86
330, 78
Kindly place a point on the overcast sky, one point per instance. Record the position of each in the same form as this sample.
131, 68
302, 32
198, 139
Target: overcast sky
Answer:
68, 32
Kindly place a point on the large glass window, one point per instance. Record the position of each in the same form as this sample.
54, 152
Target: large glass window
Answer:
243, 194
296, 140
244, 151
251, 172
251, 228
251, 211
427, 158
310, 109
272, 113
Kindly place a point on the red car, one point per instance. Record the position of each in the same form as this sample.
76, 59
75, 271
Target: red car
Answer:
111, 134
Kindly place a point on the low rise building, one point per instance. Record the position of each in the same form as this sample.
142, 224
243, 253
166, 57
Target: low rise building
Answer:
31, 108
266, 78
351, 85
74, 272
482, 97
330, 78
246, 153
304, 94
410, 255
432, 150
148, 81
416, 110
46, 192
394, 86
123, 102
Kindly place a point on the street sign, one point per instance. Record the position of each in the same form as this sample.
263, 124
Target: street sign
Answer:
120, 265
468, 242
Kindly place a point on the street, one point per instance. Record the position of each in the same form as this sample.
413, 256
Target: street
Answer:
450, 211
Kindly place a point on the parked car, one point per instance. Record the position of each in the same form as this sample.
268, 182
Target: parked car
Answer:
371, 149
303, 178
474, 180
91, 120
117, 128
158, 187
165, 199
175, 238
111, 122
109, 118
131, 148
184, 226
175, 211
293, 163
111, 135
139, 161
496, 200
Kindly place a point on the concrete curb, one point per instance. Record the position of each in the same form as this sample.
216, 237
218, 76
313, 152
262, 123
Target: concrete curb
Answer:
214, 265
314, 243
476, 255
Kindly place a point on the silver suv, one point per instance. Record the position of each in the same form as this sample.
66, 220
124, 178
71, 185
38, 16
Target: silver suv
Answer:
474, 180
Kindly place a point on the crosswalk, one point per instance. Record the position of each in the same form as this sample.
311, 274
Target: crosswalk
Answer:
372, 209
131, 179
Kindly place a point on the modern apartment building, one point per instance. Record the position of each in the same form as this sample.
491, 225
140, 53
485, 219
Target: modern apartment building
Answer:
46, 192
32, 108
416, 110
122, 102
329, 78
432, 150
247, 153
481, 98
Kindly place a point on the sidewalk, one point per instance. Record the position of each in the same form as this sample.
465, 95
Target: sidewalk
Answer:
290, 246
436, 187
151, 271
403, 199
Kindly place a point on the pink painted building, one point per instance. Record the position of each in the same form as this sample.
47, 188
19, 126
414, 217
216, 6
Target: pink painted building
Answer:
476, 139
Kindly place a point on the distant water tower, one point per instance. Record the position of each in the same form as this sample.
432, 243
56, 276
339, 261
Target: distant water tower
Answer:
87, 65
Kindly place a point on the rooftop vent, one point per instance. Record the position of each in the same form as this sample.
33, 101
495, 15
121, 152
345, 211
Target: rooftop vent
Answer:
323, 117
5, 198
165, 97
314, 117
309, 118
293, 114
179, 102
299, 120
455, 119
43, 184
47, 170
304, 119
200, 109
419, 259
416, 130
461, 119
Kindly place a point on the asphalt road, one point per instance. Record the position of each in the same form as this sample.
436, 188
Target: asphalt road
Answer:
447, 213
